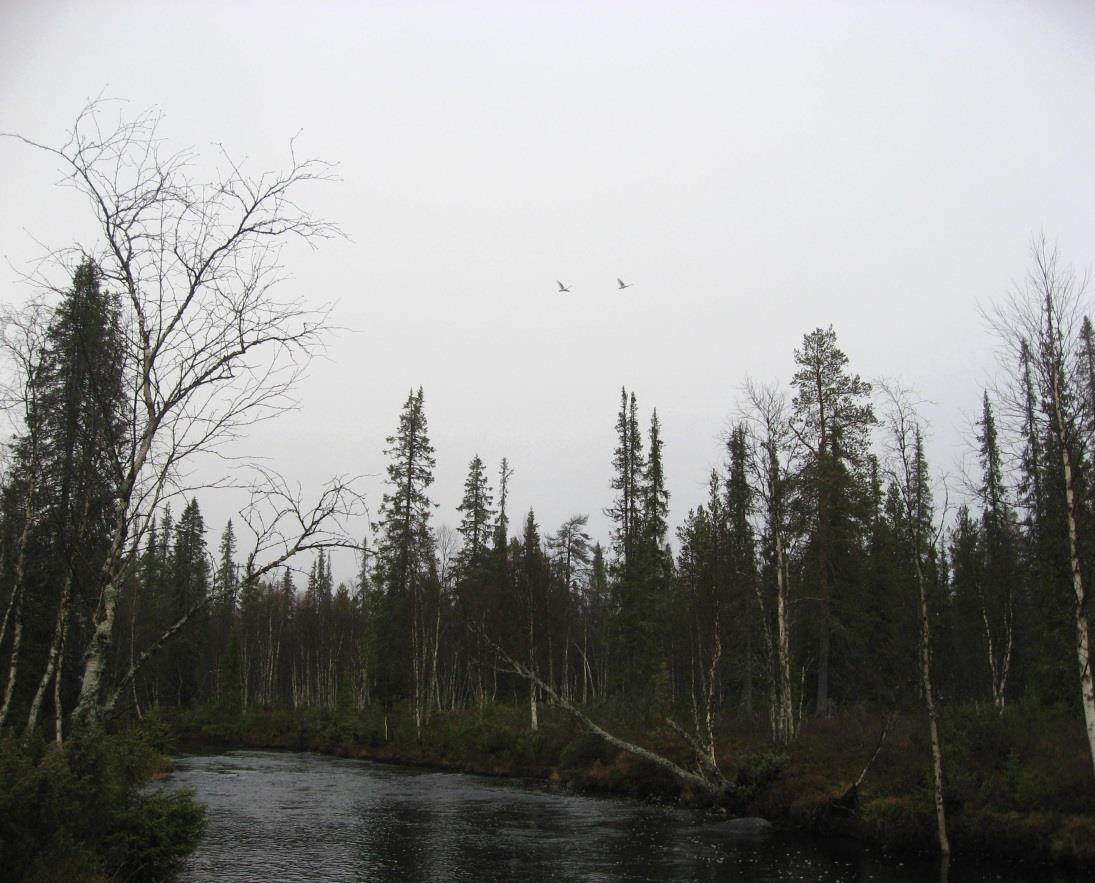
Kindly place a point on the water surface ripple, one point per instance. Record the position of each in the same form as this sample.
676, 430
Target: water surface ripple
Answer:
282, 816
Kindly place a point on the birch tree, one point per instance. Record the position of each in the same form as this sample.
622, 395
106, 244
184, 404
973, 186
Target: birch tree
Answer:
771, 454
210, 346
1041, 326
908, 471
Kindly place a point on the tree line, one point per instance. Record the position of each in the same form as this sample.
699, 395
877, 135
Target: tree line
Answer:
805, 583
826, 570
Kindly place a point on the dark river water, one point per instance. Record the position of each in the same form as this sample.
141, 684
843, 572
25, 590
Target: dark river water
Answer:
281, 816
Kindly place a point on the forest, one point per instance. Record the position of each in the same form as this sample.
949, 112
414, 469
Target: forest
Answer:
831, 584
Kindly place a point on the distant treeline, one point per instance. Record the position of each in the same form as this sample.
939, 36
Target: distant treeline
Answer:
792, 591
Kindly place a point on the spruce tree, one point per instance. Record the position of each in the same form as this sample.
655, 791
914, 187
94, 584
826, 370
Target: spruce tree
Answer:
628, 467
475, 527
189, 588
1001, 565
403, 527
66, 462
741, 557
404, 557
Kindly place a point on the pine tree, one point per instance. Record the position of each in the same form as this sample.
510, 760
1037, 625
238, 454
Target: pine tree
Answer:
832, 419
571, 550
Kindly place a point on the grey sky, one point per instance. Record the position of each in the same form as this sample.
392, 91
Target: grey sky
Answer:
756, 169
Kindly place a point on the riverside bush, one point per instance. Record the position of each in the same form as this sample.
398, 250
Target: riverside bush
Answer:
901, 822
585, 750
80, 812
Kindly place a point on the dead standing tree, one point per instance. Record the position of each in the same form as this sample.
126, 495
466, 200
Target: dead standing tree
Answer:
209, 348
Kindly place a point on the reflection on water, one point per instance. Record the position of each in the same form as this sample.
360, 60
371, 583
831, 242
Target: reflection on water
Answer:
280, 816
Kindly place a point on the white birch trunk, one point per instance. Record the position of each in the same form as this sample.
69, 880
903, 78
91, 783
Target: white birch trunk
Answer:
54, 655
929, 701
1083, 646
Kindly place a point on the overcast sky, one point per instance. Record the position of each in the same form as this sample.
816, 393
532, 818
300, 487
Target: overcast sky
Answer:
757, 170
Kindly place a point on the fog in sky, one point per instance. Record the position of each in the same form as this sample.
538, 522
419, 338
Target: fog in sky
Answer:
757, 170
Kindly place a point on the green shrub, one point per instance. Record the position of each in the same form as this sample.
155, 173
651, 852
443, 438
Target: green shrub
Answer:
487, 737
755, 772
1074, 841
1008, 834
151, 839
79, 812
901, 822
584, 751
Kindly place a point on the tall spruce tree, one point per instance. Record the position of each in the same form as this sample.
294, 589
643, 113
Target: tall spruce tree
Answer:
67, 460
628, 468
405, 551
741, 556
189, 587
999, 592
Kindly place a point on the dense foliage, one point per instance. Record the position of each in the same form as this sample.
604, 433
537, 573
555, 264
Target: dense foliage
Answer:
85, 812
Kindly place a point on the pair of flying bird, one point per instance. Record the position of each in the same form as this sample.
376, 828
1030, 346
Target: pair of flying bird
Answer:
620, 282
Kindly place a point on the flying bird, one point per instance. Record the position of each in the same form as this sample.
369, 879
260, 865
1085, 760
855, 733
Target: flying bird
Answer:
562, 287
623, 284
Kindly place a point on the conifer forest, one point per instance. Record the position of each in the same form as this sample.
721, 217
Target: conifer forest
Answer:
846, 636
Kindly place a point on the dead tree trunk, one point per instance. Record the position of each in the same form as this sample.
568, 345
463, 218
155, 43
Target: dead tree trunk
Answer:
709, 780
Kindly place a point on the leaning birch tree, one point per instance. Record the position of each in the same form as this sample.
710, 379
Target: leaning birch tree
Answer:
210, 346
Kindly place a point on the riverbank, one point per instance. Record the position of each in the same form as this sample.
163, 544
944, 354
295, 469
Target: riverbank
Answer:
1019, 785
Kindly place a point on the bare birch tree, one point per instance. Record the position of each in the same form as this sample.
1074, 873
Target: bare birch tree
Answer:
1041, 326
209, 346
908, 473
771, 453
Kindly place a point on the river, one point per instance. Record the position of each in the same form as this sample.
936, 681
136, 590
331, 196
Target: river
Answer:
277, 816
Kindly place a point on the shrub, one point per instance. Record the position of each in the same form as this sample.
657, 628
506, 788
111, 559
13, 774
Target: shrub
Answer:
901, 822
79, 812
1074, 841
1007, 834
151, 839
755, 772
584, 751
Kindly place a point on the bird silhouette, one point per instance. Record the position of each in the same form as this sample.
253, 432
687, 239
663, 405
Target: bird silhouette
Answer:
623, 284
562, 287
